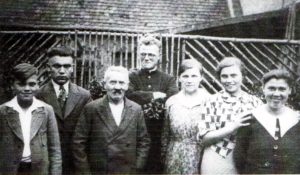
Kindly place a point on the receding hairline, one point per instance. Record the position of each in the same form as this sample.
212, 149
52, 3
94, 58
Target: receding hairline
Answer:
60, 57
116, 69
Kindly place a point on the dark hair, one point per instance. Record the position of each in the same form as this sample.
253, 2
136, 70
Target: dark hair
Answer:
278, 74
228, 62
189, 64
60, 51
23, 71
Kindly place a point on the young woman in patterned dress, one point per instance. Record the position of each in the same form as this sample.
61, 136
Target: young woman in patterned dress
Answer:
225, 113
181, 145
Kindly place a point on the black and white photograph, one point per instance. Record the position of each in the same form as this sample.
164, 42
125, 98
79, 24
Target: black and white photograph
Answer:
149, 87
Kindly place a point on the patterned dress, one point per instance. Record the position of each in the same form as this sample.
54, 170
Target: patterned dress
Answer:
180, 140
220, 110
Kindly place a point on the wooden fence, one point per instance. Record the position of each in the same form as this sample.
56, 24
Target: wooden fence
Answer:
95, 51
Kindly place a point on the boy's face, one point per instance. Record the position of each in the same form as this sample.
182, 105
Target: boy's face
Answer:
25, 90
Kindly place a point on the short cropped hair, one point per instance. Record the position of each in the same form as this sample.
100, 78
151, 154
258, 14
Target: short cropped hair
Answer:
278, 74
119, 69
228, 62
23, 71
148, 40
190, 64
60, 51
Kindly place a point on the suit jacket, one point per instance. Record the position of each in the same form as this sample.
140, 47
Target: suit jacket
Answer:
44, 143
100, 146
77, 99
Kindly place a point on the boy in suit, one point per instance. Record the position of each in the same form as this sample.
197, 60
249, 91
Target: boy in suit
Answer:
29, 138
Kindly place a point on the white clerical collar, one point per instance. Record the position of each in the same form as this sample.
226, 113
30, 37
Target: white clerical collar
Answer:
56, 87
287, 119
13, 103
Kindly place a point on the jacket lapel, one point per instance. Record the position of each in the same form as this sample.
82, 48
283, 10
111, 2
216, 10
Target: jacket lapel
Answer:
73, 97
51, 99
14, 123
127, 116
106, 116
38, 116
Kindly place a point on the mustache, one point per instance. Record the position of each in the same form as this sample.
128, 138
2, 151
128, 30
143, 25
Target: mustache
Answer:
119, 91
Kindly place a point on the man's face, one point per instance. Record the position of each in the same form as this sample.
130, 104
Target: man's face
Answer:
149, 55
116, 85
61, 69
25, 90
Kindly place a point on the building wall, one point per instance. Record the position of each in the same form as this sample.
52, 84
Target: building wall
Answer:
259, 6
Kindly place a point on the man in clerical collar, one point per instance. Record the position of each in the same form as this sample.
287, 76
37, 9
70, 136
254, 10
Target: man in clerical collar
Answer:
29, 138
67, 99
111, 136
150, 88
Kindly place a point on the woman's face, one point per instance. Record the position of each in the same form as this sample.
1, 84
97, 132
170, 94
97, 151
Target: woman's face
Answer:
276, 92
190, 80
231, 79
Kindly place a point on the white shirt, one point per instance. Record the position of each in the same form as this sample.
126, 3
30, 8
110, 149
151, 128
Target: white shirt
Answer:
25, 120
57, 90
117, 110
287, 119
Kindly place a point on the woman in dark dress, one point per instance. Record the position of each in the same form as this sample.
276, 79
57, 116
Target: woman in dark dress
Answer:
270, 145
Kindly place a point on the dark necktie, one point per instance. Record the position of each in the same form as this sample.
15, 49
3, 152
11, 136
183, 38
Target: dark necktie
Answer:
62, 97
277, 130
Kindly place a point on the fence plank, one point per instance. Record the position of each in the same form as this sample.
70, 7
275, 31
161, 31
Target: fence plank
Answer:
126, 50
285, 54
253, 56
132, 52
172, 56
246, 60
178, 58
278, 59
90, 57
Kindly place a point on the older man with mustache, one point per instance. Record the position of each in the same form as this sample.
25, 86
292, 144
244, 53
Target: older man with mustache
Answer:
111, 135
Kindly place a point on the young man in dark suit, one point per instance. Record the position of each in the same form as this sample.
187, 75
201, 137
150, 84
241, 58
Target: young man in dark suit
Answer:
29, 138
66, 98
111, 135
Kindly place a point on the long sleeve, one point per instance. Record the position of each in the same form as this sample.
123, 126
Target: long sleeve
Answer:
143, 142
54, 148
80, 140
136, 94
171, 87
240, 151
165, 137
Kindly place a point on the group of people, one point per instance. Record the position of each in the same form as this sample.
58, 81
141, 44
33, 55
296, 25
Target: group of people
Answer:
59, 129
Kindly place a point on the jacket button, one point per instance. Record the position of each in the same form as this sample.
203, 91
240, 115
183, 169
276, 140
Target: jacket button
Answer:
275, 147
276, 138
149, 76
149, 86
267, 164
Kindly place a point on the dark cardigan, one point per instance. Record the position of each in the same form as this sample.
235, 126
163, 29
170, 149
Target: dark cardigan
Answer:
257, 152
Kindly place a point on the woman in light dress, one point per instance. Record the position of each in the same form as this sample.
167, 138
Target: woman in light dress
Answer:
180, 139
224, 114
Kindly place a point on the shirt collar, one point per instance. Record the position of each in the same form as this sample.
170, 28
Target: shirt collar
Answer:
287, 119
149, 71
56, 87
242, 97
13, 103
